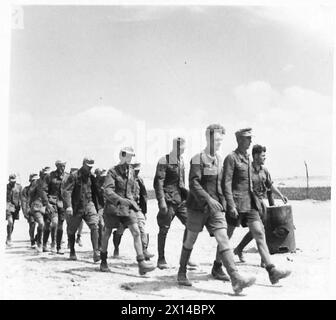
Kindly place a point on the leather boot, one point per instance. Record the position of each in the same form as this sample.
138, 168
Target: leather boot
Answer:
72, 239
182, 278
59, 236
9, 236
144, 266
116, 243
38, 239
191, 264
79, 240
240, 255
218, 272
276, 274
53, 238
238, 282
94, 241
144, 240
162, 263
46, 233
103, 263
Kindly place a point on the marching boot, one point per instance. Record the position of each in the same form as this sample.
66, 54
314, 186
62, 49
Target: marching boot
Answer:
59, 236
31, 235
218, 272
79, 240
72, 239
182, 278
240, 255
45, 240
103, 263
94, 241
38, 239
9, 235
144, 240
53, 242
238, 282
144, 266
162, 263
193, 265
116, 243
275, 274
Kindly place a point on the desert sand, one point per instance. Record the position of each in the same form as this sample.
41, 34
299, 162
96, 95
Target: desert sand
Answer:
31, 275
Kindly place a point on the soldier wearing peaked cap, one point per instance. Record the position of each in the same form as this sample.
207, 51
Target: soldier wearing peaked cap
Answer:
243, 207
13, 205
81, 199
120, 190
26, 209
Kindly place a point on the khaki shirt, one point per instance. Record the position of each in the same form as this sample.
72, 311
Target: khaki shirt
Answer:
205, 177
237, 183
169, 180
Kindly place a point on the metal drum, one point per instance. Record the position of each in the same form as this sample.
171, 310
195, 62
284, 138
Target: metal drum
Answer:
279, 229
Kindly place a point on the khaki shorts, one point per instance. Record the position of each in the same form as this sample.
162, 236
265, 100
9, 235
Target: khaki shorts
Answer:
196, 220
112, 221
244, 218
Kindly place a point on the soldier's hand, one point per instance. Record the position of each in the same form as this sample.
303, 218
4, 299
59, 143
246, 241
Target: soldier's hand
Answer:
284, 199
214, 205
233, 213
163, 207
69, 211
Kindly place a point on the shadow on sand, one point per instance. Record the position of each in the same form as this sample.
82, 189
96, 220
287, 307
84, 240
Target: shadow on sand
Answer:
169, 282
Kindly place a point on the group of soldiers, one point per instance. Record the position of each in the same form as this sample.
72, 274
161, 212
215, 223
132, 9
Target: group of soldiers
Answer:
222, 195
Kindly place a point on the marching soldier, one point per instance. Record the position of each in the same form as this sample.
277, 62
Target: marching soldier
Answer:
81, 197
80, 228
206, 207
52, 196
261, 183
120, 190
26, 209
37, 209
243, 206
141, 199
171, 194
13, 206
100, 179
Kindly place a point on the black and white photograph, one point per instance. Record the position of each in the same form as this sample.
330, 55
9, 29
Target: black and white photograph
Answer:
170, 151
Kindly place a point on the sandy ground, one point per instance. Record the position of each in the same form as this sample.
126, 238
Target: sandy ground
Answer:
29, 275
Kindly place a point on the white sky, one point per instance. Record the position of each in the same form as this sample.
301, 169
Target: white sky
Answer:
86, 80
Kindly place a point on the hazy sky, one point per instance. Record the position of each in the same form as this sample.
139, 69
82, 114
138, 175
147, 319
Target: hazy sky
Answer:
86, 80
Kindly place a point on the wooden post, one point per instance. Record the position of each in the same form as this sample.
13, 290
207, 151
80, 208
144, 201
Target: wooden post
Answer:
307, 177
